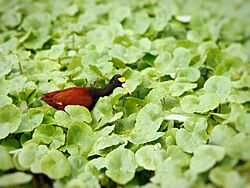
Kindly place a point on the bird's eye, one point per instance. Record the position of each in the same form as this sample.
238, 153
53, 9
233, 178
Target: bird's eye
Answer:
122, 79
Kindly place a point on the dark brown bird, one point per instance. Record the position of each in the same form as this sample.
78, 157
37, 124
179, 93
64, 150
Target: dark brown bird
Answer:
83, 96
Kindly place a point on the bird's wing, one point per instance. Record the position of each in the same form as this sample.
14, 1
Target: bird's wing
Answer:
70, 96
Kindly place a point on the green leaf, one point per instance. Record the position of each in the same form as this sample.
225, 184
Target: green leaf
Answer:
75, 182
180, 157
77, 163
36, 165
239, 146
221, 134
8, 122
239, 96
188, 74
10, 143
78, 113
163, 15
139, 137
145, 45
162, 63
120, 13
170, 137
121, 165
124, 126
189, 103
6, 160
223, 176
149, 117
72, 113
219, 85
103, 113
184, 19
102, 37
11, 18
236, 50
80, 138
148, 122
104, 131
117, 94
49, 134
243, 82
5, 66
85, 179
189, 141
202, 104
37, 22
56, 51
242, 123
167, 172
5, 100
150, 185
37, 27
126, 55
139, 23
193, 135
109, 141
204, 47
149, 156
159, 92
4, 84
62, 118
15, 178
181, 58
205, 156
30, 120
133, 79
101, 69
55, 165
16, 84
236, 110
71, 10
207, 102
36, 40
27, 155
178, 89
196, 124
97, 163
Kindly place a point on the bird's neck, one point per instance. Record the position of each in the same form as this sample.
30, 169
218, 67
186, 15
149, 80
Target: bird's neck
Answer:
101, 92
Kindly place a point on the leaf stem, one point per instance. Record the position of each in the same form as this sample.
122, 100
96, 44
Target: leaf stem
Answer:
34, 182
73, 40
20, 68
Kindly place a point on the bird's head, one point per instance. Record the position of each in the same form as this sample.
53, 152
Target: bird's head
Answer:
119, 81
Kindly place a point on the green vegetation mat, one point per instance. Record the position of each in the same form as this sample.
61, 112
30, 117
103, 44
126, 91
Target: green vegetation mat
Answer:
186, 124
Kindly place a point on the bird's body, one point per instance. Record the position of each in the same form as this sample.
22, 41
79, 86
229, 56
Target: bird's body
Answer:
83, 96
71, 96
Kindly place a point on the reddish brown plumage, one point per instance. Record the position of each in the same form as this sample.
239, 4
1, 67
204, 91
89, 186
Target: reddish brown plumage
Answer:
71, 96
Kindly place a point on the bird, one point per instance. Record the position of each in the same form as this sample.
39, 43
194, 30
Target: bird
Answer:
83, 96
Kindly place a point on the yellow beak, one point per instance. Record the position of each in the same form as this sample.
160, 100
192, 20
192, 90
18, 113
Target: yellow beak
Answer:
126, 89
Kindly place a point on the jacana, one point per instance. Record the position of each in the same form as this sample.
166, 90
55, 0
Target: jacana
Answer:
83, 96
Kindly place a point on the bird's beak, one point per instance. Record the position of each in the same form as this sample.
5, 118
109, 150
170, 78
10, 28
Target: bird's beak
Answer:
126, 89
